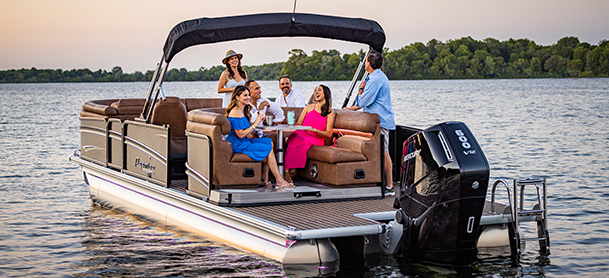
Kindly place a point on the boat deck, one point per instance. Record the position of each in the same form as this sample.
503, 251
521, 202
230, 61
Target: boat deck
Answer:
338, 214
315, 215
312, 216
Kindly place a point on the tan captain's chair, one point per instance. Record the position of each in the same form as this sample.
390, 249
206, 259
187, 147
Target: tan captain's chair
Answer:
172, 112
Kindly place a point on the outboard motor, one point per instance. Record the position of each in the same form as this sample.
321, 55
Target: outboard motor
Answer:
444, 180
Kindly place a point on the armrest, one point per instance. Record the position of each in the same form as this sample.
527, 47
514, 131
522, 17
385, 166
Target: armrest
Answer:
99, 108
352, 142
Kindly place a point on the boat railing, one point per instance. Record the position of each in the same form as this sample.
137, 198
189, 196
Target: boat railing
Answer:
519, 213
507, 187
354, 80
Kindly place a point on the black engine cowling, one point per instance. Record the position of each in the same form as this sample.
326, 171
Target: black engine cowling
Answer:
444, 179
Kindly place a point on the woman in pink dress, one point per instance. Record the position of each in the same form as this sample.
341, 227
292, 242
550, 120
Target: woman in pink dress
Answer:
320, 117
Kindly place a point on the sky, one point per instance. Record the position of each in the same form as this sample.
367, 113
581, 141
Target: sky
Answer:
101, 34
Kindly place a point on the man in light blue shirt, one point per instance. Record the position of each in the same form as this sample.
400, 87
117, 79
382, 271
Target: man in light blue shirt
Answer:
375, 97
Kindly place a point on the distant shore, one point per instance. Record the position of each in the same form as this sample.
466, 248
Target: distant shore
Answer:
463, 58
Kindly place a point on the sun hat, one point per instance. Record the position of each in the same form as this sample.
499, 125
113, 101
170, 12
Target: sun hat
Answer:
231, 53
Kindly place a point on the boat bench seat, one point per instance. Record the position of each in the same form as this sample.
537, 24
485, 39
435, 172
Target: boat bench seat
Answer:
124, 109
229, 170
131, 108
356, 159
198, 103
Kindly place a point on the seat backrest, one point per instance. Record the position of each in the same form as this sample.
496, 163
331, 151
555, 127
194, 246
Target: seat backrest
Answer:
129, 106
297, 111
363, 125
172, 112
356, 120
217, 110
197, 103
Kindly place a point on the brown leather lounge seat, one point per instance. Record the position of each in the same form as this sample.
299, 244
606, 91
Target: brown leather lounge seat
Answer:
227, 170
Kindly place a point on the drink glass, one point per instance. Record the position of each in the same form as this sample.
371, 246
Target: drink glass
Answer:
269, 119
290, 117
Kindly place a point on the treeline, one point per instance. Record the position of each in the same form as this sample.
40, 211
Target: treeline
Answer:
463, 58
490, 58
33, 75
454, 59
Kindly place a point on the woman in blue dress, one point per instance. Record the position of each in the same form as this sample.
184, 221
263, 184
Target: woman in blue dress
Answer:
259, 149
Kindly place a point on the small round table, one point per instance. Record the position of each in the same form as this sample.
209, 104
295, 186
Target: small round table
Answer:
280, 151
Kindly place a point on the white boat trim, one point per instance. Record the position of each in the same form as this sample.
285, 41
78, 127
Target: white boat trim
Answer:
175, 208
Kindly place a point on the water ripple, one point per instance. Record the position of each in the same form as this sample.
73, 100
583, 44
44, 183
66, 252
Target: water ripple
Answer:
525, 127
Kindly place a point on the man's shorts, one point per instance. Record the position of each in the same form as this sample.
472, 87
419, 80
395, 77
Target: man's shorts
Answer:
385, 133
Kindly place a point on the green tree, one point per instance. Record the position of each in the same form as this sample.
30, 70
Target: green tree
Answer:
555, 64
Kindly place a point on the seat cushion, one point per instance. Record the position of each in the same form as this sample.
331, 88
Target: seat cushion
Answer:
239, 157
334, 155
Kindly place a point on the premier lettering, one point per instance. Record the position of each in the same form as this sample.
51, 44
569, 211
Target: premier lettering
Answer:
147, 168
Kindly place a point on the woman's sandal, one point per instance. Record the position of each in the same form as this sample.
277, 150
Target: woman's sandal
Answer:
266, 184
287, 175
289, 185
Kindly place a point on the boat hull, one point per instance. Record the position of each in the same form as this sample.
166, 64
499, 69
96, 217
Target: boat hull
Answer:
170, 207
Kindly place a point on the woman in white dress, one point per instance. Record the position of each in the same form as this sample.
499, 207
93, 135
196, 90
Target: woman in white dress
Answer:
233, 75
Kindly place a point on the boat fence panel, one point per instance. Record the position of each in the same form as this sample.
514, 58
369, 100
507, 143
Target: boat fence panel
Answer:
199, 169
146, 151
115, 143
93, 143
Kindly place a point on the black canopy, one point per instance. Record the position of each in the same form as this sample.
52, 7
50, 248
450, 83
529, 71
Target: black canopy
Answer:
213, 30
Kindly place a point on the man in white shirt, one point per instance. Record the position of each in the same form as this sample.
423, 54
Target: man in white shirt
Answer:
290, 97
260, 103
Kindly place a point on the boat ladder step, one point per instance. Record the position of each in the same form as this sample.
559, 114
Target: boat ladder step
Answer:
531, 212
538, 213
533, 239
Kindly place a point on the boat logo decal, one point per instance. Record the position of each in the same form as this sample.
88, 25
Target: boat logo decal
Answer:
148, 168
464, 142
411, 155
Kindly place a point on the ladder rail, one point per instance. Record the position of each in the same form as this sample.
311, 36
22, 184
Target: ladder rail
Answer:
538, 211
507, 187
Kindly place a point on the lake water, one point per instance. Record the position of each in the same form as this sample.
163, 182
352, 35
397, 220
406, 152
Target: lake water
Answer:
553, 128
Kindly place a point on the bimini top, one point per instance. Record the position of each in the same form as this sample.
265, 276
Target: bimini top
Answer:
213, 30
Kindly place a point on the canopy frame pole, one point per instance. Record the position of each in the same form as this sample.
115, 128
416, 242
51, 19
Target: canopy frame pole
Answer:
354, 80
156, 92
150, 89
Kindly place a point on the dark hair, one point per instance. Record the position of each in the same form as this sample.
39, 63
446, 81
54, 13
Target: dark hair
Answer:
233, 101
376, 59
248, 83
231, 74
325, 109
285, 76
